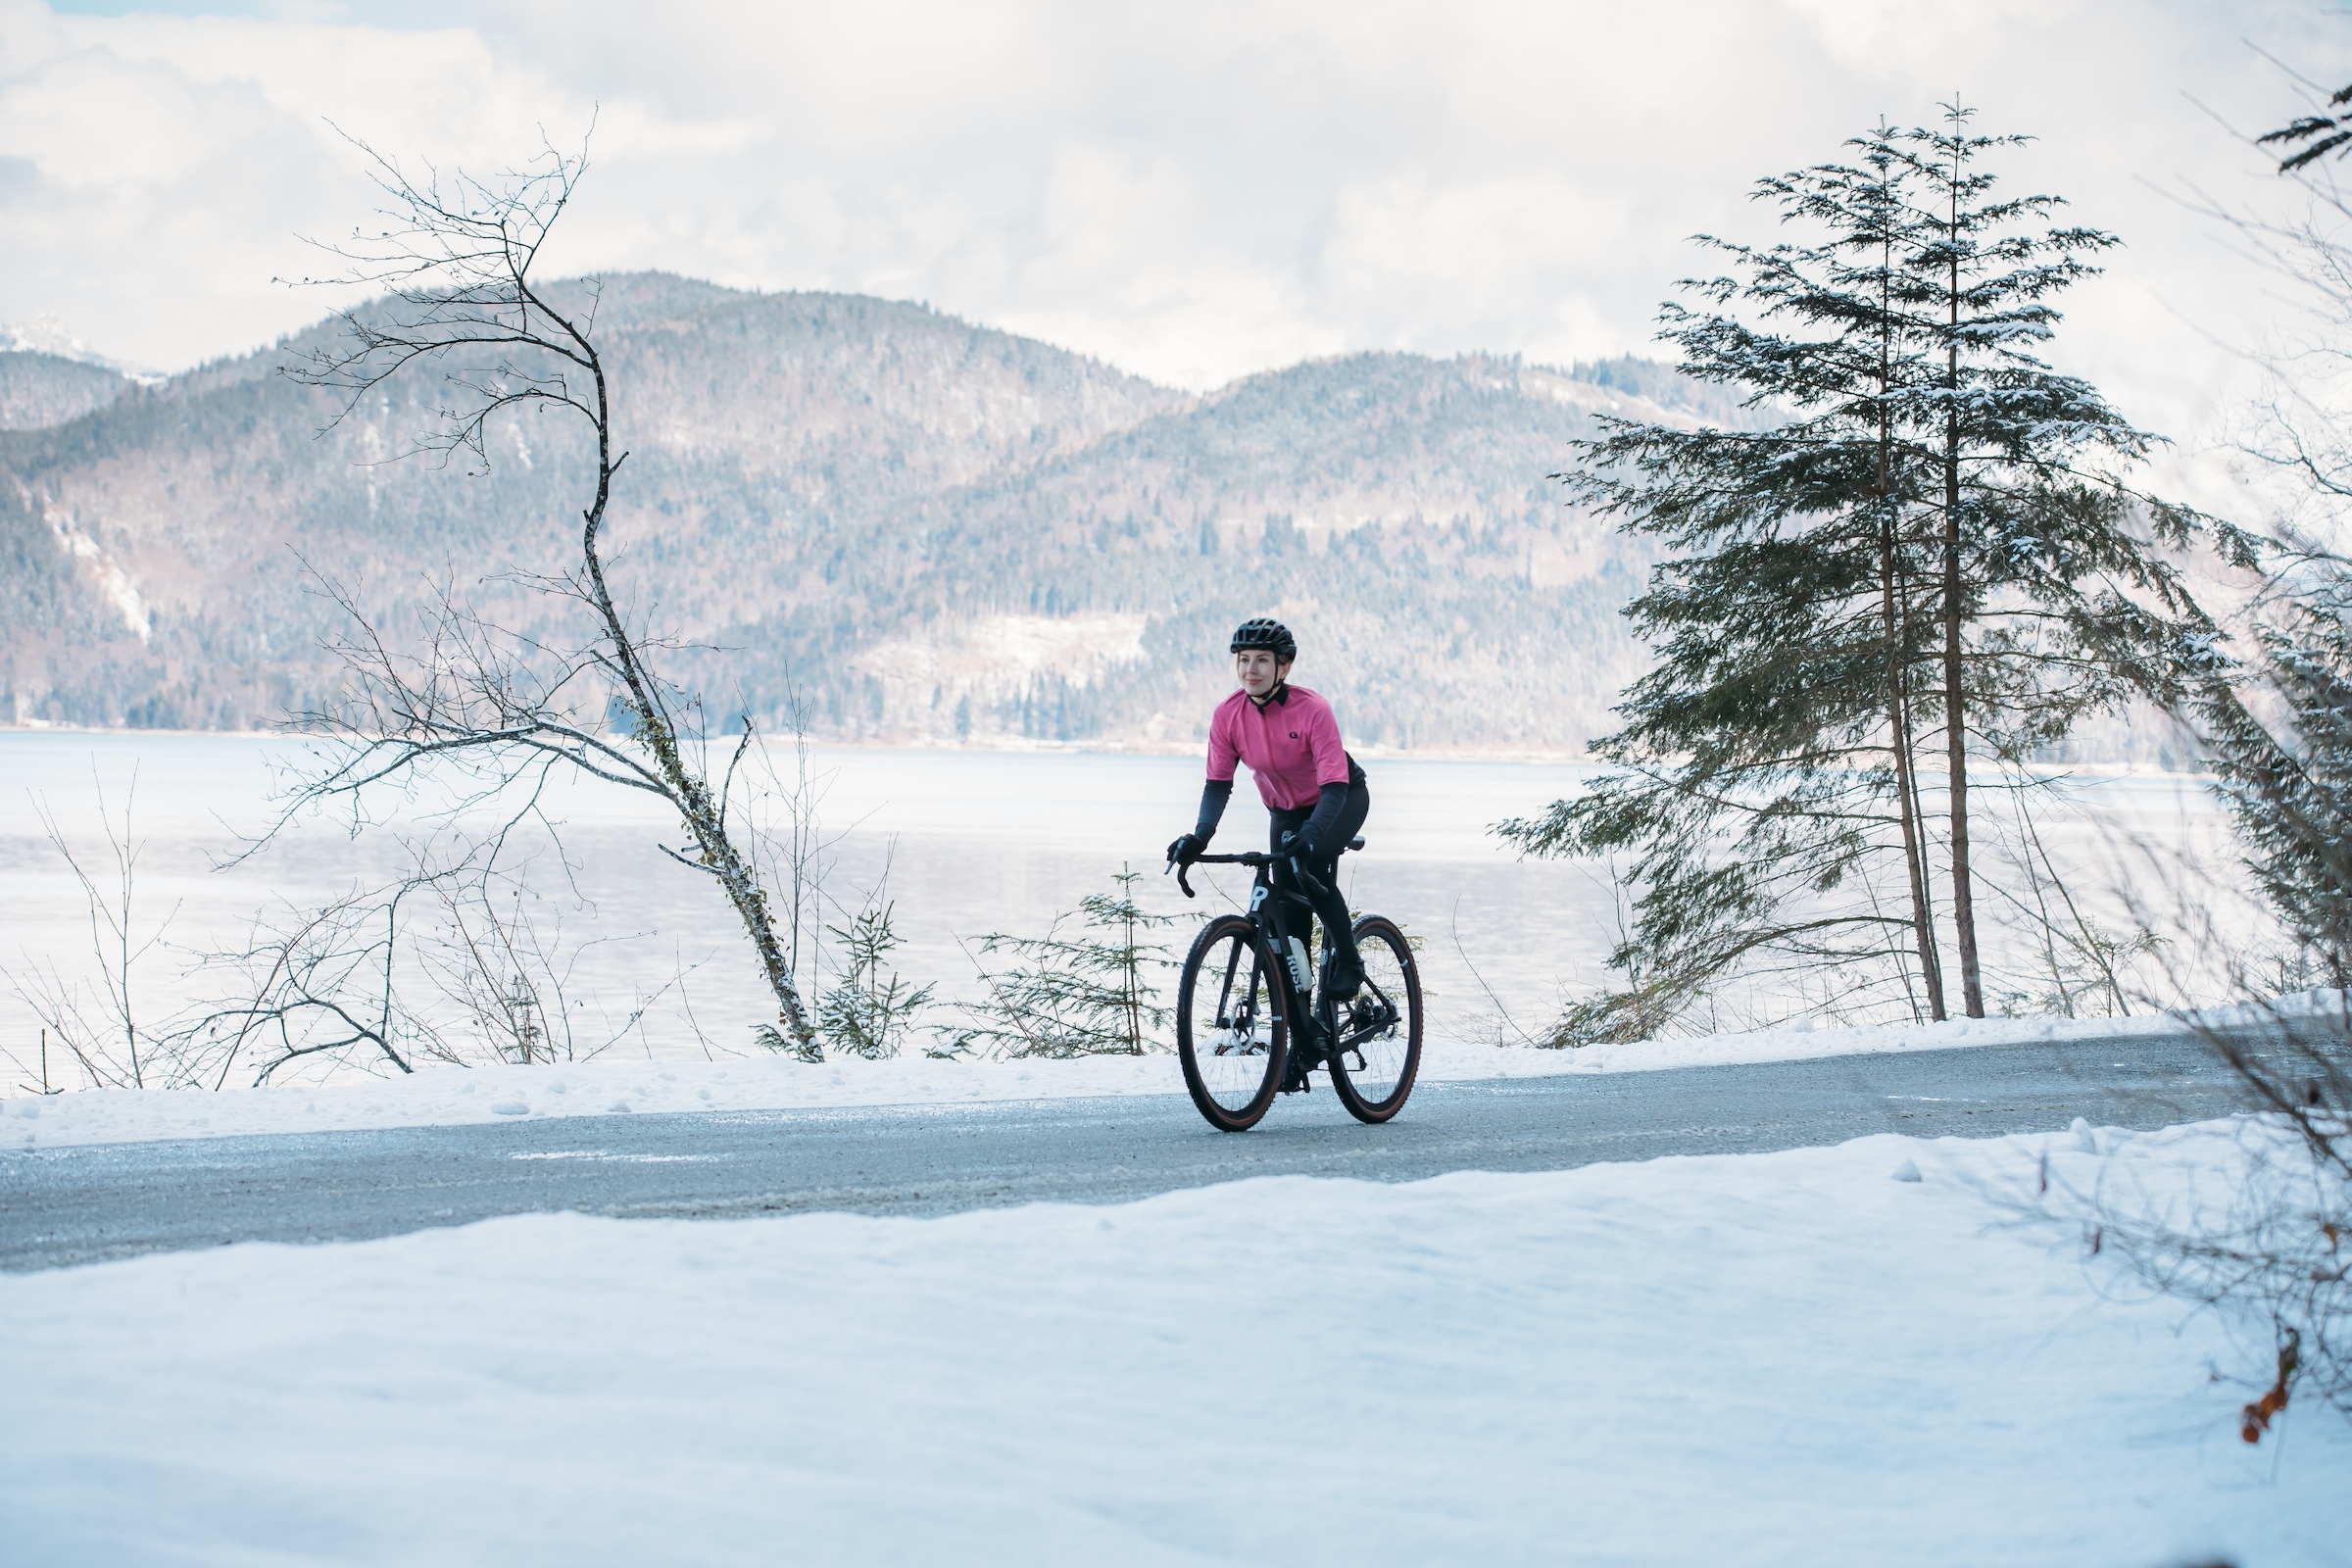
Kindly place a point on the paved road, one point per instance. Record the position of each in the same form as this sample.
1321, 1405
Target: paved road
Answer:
75, 1206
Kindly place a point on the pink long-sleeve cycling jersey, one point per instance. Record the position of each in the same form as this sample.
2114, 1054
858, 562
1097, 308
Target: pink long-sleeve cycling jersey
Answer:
1292, 746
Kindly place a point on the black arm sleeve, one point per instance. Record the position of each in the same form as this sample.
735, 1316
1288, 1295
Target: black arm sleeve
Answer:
1213, 796
1332, 801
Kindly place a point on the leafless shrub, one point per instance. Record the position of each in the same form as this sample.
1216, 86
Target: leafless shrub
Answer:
793, 845
455, 962
312, 982
2274, 710
2265, 1240
497, 950
98, 1018
2068, 959
2266, 1243
473, 704
2271, 715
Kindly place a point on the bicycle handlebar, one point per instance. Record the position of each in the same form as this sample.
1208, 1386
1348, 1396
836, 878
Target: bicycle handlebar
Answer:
1249, 857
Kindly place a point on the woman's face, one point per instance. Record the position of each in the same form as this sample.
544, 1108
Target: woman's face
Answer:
1258, 671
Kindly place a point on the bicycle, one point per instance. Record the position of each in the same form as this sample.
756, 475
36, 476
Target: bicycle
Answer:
1236, 1033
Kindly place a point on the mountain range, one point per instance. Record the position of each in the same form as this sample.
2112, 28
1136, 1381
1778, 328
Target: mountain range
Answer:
923, 530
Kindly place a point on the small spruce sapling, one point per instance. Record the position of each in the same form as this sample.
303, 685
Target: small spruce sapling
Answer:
1089, 994
868, 1013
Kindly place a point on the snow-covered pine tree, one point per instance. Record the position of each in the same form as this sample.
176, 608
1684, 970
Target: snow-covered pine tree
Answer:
1094, 993
2051, 602
1930, 558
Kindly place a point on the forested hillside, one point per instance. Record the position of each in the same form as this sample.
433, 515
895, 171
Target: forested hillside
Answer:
929, 530
39, 389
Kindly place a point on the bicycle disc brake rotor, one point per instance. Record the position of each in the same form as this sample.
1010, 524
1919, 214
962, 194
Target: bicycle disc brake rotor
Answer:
1238, 1039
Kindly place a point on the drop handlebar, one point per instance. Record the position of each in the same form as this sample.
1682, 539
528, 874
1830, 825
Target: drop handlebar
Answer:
1251, 858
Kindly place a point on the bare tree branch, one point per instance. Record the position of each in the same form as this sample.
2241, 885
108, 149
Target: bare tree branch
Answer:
476, 701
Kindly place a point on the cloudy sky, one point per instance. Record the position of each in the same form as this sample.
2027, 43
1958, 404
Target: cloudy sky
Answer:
1193, 191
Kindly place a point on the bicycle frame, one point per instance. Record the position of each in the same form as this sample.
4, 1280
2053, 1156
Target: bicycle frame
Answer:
1316, 1027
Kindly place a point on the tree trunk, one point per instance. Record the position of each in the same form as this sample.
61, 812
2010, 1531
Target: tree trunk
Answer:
1955, 726
689, 794
1898, 722
1899, 716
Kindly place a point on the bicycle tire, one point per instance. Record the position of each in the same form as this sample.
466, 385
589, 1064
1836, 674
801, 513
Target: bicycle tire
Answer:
1231, 1068
1388, 1055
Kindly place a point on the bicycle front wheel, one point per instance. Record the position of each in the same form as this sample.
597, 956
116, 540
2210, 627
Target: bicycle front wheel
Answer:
1380, 1030
1231, 1034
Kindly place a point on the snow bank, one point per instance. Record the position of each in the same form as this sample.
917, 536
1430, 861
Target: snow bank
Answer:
1768, 1359
441, 1096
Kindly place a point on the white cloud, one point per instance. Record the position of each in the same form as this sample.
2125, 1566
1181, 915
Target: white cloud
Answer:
1191, 192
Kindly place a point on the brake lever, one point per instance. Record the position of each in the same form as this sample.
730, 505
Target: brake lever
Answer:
1183, 880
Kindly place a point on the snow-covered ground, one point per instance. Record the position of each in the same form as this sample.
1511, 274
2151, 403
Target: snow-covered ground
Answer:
439, 1095
1764, 1360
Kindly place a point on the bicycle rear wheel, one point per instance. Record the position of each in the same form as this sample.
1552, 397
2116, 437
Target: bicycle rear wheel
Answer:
1380, 1031
1231, 1034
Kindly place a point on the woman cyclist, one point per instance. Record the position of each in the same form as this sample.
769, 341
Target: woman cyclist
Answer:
1313, 788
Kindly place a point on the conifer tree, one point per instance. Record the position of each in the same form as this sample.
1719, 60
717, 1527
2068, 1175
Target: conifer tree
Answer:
1932, 557
869, 1010
1090, 994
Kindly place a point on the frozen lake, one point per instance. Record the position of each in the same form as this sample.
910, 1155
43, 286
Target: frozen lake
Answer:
973, 842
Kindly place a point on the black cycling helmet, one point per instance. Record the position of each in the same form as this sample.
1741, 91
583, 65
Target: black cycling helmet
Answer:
1264, 631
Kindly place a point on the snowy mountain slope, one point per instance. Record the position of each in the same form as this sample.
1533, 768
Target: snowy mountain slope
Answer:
39, 389
216, 495
1394, 510
937, 531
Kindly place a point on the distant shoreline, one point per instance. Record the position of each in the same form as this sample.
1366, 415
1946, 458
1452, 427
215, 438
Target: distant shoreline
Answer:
1014, 746
1011, 745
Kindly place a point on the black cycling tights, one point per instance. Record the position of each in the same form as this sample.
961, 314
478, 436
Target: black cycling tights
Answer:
1338, 937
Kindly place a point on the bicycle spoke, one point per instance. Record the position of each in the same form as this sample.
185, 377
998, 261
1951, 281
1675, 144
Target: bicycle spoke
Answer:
1229, 1025
1233, 958
1378, 1046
